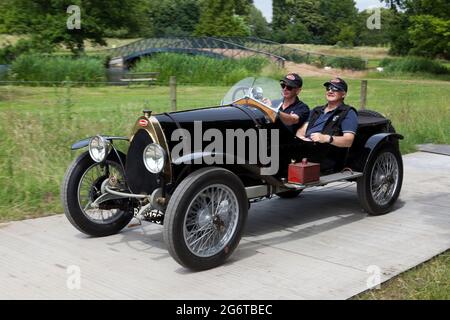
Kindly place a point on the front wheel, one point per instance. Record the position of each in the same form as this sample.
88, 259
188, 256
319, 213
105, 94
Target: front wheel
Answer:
81, 186
379, 187
205, 218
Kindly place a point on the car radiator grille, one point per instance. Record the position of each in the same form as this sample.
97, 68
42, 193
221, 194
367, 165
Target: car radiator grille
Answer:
139, 179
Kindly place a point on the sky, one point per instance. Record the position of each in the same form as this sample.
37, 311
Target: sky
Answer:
266, 6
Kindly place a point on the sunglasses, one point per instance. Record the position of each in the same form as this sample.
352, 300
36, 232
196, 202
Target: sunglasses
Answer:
332, 88
289, 88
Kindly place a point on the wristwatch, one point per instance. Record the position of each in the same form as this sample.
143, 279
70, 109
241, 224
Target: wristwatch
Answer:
331, 139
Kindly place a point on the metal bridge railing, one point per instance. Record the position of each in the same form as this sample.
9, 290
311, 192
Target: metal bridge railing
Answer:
233, 47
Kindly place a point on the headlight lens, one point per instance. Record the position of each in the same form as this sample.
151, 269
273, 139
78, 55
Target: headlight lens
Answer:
98, 148
154, 158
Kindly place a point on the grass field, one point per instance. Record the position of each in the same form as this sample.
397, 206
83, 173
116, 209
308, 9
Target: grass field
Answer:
38, 125
363, 52
6, 39
373, 54
428, 281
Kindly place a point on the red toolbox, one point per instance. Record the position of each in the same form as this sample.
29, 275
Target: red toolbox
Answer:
304, 172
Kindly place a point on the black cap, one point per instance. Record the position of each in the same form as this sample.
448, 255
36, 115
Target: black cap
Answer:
338, 83
292, 80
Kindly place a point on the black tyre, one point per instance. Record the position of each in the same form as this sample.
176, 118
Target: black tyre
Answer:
81, 186
289, 194
380, 186
205, 218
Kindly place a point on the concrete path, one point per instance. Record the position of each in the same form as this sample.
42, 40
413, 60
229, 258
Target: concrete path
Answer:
318, 246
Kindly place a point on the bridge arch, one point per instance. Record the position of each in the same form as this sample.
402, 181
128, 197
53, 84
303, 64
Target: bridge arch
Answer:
131, 58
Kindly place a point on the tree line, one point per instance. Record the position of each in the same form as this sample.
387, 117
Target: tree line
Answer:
419, 27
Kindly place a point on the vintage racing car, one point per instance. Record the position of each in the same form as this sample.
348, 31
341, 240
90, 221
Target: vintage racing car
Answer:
177, 173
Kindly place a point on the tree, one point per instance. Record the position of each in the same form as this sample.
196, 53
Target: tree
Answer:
374, 37
172, 17
46, 20
421, 27
223, 18
318, 21
340, 19
281, 16
258, 24
394, 4
429, 36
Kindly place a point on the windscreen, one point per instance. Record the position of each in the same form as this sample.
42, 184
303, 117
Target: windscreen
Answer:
265, 90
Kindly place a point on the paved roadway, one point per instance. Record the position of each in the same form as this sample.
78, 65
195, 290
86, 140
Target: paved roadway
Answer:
318, 246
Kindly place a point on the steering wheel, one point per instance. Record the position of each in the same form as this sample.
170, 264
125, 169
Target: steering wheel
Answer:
240, 91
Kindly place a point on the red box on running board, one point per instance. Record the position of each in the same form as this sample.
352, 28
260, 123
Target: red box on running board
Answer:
303, 172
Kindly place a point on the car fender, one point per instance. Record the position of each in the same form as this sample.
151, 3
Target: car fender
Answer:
377, 140
85, 142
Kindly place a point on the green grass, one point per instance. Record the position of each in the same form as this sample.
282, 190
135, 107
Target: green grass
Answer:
373, 63
428, 281
38, 69
111, 43
201, 69
362, 52
38, 125
6, 39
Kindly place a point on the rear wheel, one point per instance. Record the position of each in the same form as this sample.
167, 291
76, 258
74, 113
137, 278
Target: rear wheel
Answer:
205, 218
380, 186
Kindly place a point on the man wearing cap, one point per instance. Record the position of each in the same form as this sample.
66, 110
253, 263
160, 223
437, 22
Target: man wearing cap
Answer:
334, 123
291, 110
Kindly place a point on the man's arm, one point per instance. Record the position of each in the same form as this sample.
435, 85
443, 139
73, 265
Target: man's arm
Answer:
302, 131
289, 118
349, 127
344, 141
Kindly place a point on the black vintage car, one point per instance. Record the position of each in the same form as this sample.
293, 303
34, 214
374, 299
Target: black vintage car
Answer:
179, 174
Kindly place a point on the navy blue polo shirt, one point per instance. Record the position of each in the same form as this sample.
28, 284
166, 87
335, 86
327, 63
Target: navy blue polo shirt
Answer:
300, 109
349, 124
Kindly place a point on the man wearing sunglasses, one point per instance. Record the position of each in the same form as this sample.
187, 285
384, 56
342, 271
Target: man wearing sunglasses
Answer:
291, 110
334, 123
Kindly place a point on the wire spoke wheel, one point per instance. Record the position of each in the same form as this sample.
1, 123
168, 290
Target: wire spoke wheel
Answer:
205, 218
380, 186
82, 186
89, 189
384, 178
211, 220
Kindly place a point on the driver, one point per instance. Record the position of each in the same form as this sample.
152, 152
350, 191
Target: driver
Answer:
291, 110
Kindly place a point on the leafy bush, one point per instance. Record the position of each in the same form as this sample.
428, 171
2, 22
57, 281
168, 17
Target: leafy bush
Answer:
413, 65
297, 57
43, 69
11, 52
200, 69
353, 63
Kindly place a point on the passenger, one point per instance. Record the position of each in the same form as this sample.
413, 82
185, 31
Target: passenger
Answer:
291, 110
334, 123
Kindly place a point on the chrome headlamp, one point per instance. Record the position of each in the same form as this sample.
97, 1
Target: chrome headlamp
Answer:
98, 148
154, 158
